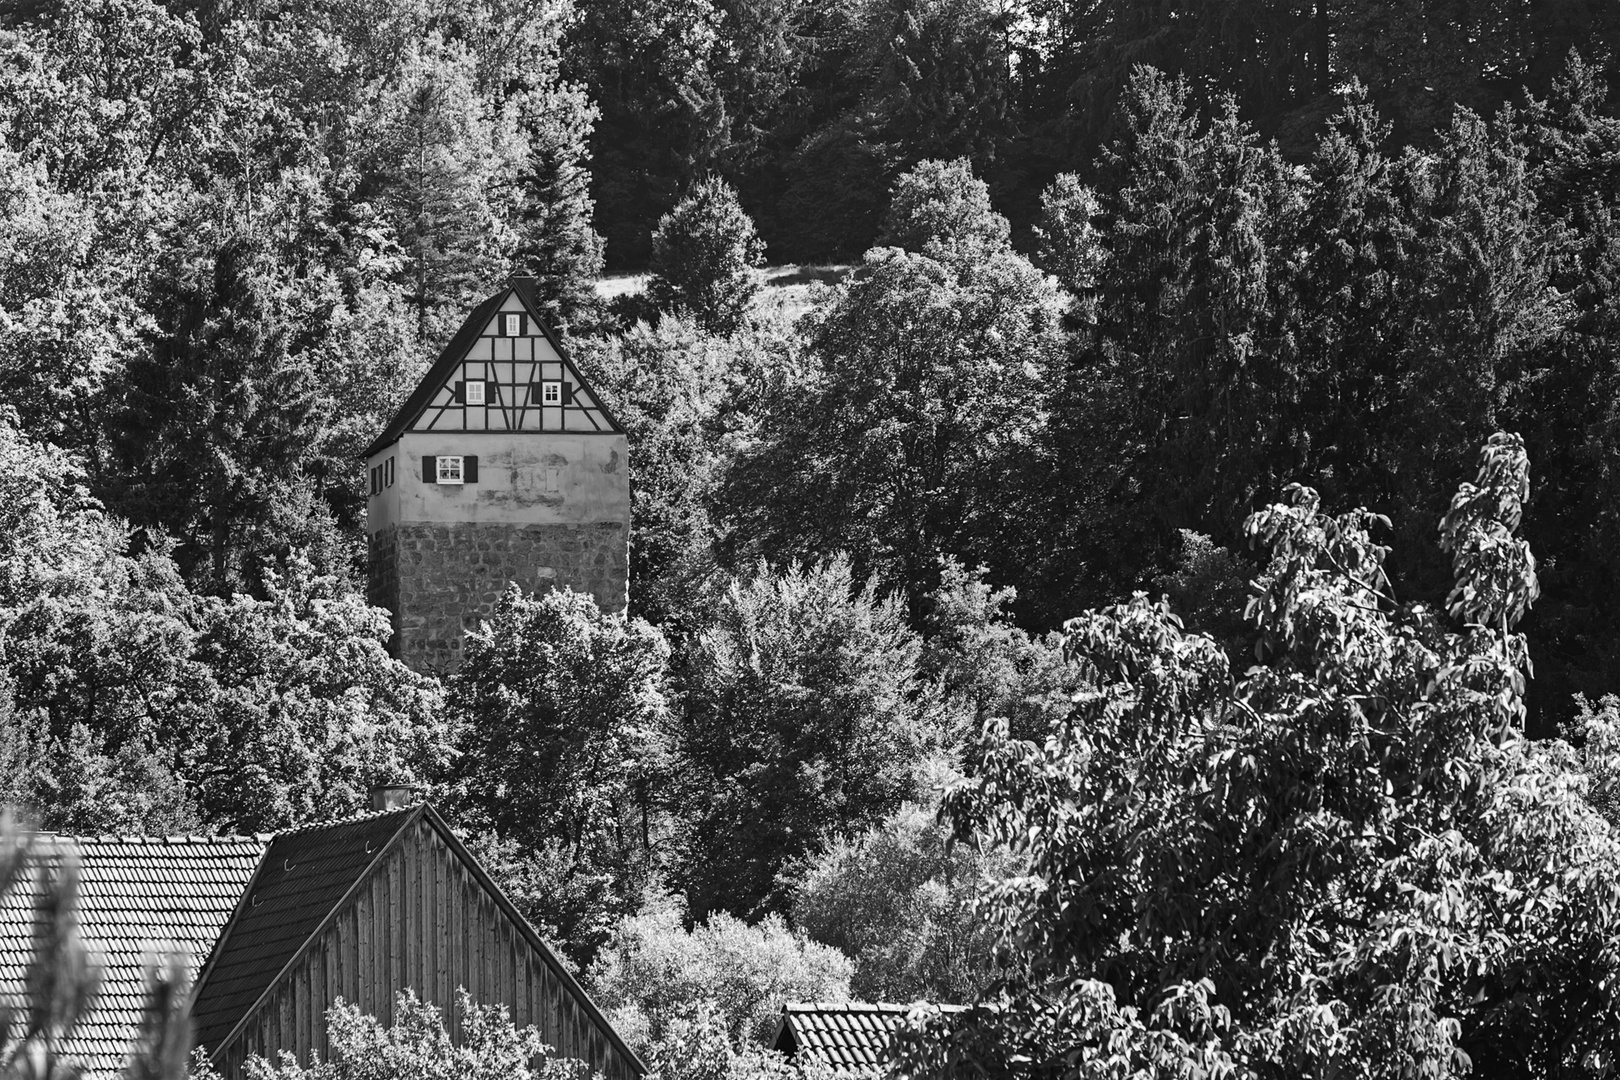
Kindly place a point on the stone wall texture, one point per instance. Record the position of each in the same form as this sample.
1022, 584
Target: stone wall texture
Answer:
441, 580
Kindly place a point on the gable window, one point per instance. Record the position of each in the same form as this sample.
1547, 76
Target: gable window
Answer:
512, 324
551, 393
475, 392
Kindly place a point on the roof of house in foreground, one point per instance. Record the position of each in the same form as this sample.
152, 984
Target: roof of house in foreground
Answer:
242, 909
138, 896
846, 1036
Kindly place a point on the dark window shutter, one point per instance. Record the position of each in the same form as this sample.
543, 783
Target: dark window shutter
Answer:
461, 392
523, 324
535, 390
430, 469
568, 393
469, 469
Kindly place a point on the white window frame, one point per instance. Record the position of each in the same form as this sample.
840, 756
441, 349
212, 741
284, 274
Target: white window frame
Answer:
473, 391
449, 468
511, 324
551, 392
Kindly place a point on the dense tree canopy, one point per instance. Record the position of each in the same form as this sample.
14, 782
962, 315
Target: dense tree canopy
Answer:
1348, 858
1119, 273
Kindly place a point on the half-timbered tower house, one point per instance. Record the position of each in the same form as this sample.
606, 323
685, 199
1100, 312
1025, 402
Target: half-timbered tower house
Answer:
502, 466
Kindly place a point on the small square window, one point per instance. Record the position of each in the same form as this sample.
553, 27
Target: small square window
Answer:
551, 393
449, 468
512, 325
475, 392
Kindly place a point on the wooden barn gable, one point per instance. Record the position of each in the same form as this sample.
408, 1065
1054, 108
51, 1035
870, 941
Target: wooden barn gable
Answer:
363, 909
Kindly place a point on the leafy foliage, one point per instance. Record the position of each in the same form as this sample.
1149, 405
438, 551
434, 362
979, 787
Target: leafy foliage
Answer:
899, 901
804, 718
563, 731
664, 984
1348, 858
417, 1046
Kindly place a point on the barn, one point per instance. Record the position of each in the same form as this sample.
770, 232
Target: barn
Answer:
277, 927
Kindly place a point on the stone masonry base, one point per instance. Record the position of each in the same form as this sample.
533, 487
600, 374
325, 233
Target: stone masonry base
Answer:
441, 580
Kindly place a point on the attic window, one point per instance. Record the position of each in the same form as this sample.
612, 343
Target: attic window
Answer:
475, 392
448, 468
512, 324
551, 393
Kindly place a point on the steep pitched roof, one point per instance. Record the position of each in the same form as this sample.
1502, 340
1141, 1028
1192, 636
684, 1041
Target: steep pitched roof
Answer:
456, 350
137, 896
303, 876
846, 1036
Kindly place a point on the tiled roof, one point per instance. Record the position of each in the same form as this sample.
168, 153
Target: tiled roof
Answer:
846, 1035
137, 895
306, 872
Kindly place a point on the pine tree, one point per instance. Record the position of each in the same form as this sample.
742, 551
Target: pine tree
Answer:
217, 419
705, 258
555, 242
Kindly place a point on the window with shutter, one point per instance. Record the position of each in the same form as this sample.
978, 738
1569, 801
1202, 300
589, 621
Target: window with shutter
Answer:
388, 473
512, 325
475, 392
449, 468
551, 393
376, 479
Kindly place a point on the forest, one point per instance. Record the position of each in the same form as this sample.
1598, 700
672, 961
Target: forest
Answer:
1157, 587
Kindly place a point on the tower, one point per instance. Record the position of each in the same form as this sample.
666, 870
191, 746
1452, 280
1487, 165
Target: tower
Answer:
502, 466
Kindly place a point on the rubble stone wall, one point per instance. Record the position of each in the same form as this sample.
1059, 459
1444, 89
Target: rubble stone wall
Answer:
440, 580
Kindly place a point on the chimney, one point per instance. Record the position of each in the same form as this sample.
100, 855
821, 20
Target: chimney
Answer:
395, 796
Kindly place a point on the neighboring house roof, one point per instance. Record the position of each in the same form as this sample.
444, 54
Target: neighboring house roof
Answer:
138, 896
846, 1036
308, 879
456, 351
304, 874
244, 910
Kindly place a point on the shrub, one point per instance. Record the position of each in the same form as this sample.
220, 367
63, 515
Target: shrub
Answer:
653, 973
705, 252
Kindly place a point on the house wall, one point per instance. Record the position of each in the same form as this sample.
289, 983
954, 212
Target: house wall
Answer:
421, 920
548, 510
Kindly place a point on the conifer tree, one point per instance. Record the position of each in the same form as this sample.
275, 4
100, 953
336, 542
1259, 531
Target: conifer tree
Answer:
217, 419
555, 242
705, 258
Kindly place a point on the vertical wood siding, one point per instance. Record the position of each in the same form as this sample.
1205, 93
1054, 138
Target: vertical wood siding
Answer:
422, 921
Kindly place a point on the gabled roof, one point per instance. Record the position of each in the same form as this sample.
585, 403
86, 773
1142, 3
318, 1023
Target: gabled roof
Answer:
456, 351
304, 875
137, 896
303, 882
846, 1036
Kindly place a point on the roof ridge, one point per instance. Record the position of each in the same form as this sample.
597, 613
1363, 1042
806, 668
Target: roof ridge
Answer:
331, 823
145, 838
